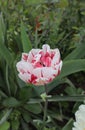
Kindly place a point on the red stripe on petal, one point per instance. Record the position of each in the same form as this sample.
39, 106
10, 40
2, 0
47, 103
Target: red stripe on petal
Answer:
22, 71
38, 64
25, 57
33, 79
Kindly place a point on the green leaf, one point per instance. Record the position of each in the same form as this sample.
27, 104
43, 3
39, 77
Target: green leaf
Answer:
38, 90
18, 42
71, 91
27, 46
77, 53
4, 118
72, 66
69, 125
5, 126
34, 108
25, 93
4, 52
2, 29
26, 116
2, 94
11, 102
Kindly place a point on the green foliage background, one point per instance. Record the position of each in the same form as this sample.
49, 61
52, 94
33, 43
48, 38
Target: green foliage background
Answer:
26, 24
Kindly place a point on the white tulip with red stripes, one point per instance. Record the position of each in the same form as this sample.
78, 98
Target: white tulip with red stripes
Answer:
40, 66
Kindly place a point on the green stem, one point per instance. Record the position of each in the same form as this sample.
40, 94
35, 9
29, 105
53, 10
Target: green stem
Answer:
76, 98
45, 110
69, 82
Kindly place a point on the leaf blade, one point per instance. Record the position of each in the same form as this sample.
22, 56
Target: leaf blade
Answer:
27, 46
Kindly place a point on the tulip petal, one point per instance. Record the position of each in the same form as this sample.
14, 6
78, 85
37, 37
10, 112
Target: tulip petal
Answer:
60, 65
25, 77
48, 72
41, 81
24, 56
46, 48
24, 67
36, 58
32, 53
35, 51
56, 58
37, 72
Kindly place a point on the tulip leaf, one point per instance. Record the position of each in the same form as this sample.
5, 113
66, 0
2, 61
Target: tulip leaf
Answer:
5, 117
25, 93
69, 125
2, 28
27, 46
71, 91
34, 108
78, 53
26, 116
2, 94
72, 66
4, 52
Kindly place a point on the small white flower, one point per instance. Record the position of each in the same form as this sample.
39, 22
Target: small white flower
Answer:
79, 124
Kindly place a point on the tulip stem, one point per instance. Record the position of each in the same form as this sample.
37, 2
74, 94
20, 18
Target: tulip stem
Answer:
45, 109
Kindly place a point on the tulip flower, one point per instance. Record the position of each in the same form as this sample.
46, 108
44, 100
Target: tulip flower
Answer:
40, 66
